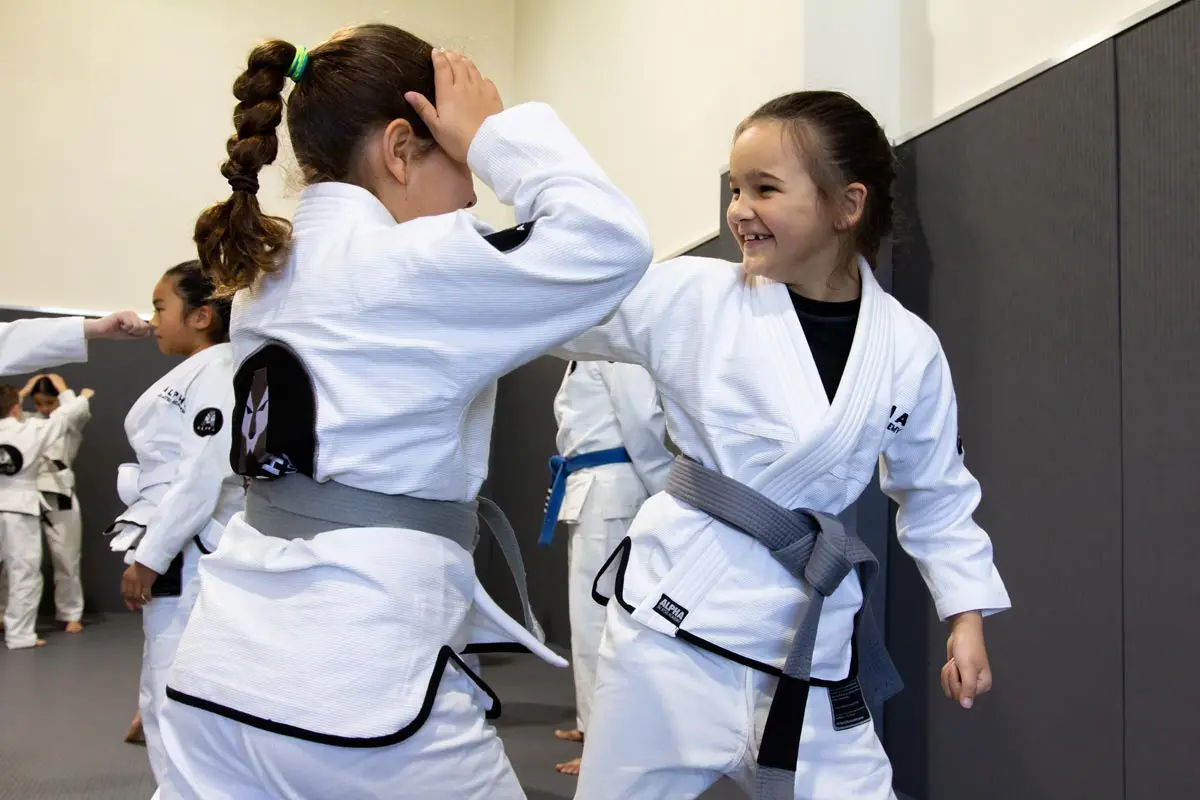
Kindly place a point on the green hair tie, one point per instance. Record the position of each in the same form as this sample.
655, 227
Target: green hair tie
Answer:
299, 62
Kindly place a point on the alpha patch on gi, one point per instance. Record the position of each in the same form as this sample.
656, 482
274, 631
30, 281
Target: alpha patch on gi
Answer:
671, 611
208, 422
11, 460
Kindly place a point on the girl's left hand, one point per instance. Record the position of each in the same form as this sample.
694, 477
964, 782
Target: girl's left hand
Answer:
135, 585
967, 673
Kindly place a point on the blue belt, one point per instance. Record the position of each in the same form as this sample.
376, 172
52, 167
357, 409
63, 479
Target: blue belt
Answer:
560, 468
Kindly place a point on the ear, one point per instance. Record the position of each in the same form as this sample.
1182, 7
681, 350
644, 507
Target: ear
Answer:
399, 141
851, 204
201, 318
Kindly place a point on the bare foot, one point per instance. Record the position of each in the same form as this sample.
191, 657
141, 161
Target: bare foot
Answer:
573, 735
568, 767
40, 643
135, 735
75, 627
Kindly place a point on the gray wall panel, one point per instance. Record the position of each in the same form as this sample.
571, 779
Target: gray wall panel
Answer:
1159, 72
1009, 249
119, 372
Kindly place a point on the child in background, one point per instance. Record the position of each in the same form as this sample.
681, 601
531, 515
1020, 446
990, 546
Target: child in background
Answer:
23, 444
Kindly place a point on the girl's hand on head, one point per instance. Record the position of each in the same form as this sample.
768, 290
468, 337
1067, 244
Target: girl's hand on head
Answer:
464, 100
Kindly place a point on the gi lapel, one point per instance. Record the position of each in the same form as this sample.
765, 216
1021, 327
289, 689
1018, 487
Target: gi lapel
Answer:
841, 426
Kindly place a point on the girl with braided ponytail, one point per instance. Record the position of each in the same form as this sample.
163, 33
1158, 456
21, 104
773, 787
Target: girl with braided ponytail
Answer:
785, 380
324, 657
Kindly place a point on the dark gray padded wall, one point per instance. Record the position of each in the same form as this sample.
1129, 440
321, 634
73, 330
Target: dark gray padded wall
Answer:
1009, 250
1158, 75
119, 372
522, 443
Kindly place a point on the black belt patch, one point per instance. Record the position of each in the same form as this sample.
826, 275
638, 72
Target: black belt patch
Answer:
11, 460
208, 422
848, 705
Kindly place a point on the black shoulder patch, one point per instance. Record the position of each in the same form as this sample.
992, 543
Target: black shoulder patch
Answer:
571, 367
959, 444
274, 415
510, 239
11, 460
208, 422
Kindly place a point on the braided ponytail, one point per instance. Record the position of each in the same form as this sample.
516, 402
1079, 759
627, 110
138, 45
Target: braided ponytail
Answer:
236, 242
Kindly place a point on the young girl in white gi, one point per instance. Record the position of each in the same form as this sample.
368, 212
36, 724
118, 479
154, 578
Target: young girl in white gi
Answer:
62, 525
24, 442
182, 490
792, 374
612, 456
321, 659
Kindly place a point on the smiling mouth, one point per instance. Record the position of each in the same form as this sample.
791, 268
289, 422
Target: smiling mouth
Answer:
755, 239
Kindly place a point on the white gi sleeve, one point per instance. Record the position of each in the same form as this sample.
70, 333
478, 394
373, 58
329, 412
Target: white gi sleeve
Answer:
28, 345
641, 421
192, 500
78, 421
655, 322
581, 248
71, 413
923, 470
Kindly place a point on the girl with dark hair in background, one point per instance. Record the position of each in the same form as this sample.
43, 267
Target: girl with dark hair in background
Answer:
323, 659
62, 525
181, 491
738, 642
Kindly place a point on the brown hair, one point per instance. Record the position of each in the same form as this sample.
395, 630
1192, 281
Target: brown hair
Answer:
9, 398
353, 84
841, 144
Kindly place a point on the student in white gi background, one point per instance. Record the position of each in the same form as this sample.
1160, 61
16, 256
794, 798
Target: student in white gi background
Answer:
321, 660
182, 490
23, 444
28, 345
786, 380
612, 457
62, 525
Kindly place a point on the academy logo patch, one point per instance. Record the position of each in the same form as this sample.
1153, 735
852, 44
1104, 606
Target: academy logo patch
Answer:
896, 422
11, 460
208, 422
671, 611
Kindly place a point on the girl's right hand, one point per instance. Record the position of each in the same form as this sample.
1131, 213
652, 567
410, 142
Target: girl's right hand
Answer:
464, 100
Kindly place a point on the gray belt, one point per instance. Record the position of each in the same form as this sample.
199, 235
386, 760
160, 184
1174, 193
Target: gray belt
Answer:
297, 507
819, 550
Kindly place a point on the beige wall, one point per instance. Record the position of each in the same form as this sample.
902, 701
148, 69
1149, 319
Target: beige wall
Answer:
654, 88
114, 116
980, 44
115, 113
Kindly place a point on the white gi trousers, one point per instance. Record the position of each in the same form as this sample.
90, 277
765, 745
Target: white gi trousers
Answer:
591, 541
455, 755
163, 622
668, 719
64, 538
21, 551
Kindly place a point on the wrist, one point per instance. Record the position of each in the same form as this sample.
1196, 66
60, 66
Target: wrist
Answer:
967, 619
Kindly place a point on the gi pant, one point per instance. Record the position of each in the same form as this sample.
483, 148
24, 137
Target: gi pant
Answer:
668, 719
455, 755
591, 541
163, 622
63, 532
21, 552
